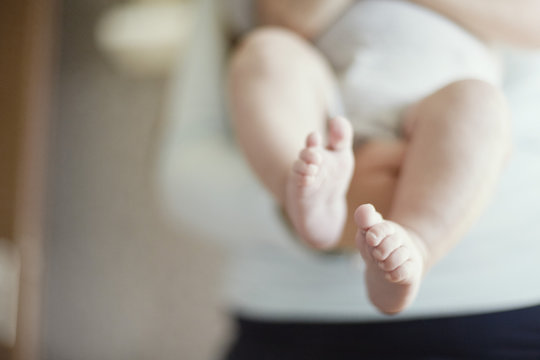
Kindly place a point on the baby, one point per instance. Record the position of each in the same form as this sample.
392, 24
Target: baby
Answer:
422, 89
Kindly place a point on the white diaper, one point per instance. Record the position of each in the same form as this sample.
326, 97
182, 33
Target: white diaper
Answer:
388, 54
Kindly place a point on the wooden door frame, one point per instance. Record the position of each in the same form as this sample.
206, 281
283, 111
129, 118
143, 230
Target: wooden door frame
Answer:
28, 32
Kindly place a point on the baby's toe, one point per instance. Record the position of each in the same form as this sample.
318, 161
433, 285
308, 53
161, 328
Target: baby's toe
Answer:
367, 216
386, 247
397, 258
340, 133
314, 139
311, 156
401, 273
378, 232
302, 168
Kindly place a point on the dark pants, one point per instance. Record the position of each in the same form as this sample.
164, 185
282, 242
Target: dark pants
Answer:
501, 335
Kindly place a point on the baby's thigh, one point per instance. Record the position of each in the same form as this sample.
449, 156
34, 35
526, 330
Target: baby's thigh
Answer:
465, 99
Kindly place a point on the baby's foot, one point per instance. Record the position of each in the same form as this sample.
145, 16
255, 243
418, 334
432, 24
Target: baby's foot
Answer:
318, 184
394, 257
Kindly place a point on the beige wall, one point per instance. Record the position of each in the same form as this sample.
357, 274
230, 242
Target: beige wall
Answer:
119, 283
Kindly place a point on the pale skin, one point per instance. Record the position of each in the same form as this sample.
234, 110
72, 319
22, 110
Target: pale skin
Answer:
427, 188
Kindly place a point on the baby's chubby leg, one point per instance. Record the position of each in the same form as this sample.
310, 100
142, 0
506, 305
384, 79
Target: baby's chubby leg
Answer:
280, 91
458, 143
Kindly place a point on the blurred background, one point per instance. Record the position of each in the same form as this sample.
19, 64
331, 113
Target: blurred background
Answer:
95, 263
89, 268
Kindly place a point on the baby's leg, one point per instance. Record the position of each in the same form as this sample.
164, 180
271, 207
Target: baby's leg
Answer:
280, 90
459, 140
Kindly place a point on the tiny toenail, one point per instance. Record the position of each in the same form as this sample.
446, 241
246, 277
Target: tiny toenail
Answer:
381, 264
377, 253
371, 236
388, 277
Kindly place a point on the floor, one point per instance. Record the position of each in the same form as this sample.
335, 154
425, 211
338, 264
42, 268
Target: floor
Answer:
120, 284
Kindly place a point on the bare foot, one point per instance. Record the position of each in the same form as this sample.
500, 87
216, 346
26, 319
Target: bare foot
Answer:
395, 260
318, 183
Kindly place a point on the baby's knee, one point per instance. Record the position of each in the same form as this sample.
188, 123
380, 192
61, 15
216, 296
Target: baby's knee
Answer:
487, 109
479, 105
475, 92
269, 50
487, 102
